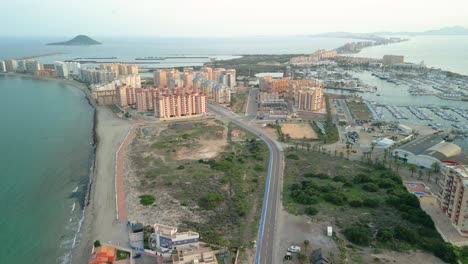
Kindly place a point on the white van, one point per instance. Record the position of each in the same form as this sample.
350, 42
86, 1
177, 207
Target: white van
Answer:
294, 249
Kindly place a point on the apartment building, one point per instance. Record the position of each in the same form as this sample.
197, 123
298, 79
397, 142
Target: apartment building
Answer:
222, 94
125, 95
2, 66
62, 69
177, 103
393, 59
270, 85
145, 98
309, 99
453, 195
11, 65
46, 73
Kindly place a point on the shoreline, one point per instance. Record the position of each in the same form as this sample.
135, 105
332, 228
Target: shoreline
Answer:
99, 219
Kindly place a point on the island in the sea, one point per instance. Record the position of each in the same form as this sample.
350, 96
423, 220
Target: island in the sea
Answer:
80, 40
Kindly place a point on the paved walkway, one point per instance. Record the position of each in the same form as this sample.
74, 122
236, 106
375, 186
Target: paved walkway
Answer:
119, 177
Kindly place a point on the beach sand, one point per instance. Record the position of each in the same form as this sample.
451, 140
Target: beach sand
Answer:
100, 221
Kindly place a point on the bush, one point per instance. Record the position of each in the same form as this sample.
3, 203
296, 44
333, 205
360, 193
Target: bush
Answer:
327, 188
336, 198
181, 167
386, 183
355, 203
385, 235
370, 187
371, 202
361, 178
293, 156
311, 210
97, 243
444, 251
340, 179
359, 235
323, 176
210, 201
259, 167
406, 234
147, 199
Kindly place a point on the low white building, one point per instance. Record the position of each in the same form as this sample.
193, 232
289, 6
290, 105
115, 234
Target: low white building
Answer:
167, 237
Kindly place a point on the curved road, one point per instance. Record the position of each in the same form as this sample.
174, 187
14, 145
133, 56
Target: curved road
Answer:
267, 245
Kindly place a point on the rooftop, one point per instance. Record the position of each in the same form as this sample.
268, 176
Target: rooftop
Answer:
419, 146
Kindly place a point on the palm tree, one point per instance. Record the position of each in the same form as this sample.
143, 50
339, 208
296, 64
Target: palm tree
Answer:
406, 157
435, 167
412, 168
420, 174
347, 153
428, 174
336, 152
341, 154
396, 155
397, 166
308, 146
301, 257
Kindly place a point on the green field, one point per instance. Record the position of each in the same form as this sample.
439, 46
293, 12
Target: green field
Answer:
238, 102
369, 203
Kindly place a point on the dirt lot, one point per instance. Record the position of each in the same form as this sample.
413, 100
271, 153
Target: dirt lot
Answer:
206, 175
299, 131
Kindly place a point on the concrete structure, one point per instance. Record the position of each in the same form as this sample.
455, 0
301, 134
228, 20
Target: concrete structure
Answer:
453, 196
310, 99
168, 237
2, 66
392, 59
32, 66
11, 65
73, 68
62, 69
270, 85
145, 99
160, 78
125, 95
222, 94
194, 255
427, 150
92, 76
314, 57
45, 74
105, 97
121, 69
177, 103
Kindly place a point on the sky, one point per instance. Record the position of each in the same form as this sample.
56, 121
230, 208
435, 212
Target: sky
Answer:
225, 18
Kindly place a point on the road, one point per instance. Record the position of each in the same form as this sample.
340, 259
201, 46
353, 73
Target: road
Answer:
267, 244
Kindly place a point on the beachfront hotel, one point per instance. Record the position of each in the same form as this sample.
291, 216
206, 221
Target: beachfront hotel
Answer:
453, 195
175, 103
309, 98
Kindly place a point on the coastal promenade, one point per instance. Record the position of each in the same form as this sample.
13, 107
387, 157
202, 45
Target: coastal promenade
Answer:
100, 220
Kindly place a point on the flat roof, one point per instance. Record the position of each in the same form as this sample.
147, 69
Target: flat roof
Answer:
420, 145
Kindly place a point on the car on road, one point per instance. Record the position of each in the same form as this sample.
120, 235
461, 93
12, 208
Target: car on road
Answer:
294, 249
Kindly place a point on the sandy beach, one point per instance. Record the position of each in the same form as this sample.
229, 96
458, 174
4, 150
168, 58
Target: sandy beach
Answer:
100, 216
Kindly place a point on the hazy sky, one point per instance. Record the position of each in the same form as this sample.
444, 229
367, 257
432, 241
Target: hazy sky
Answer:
225, 18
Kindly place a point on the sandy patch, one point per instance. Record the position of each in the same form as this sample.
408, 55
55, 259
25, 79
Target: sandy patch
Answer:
205, 149
299, 131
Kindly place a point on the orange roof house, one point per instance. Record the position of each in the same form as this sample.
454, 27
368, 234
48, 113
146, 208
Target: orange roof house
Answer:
103, 254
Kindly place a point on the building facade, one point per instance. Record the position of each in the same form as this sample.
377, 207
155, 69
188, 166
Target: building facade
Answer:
169, 238
11, 65
309, 99
125, 95
145, 99
393, 59
177, 103
62, 69
453, 196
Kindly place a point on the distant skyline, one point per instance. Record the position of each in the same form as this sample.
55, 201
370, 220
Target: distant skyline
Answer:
206, 18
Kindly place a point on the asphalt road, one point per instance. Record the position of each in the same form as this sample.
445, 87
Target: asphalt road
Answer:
267, 244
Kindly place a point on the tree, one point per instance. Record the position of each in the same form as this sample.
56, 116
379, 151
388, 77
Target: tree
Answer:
341, 154
412, 168
359, 235
306, 244
420, 174
428, 174
336, 152
347, 153
302, 258
406, 157
397, 166
308, 146
435, 167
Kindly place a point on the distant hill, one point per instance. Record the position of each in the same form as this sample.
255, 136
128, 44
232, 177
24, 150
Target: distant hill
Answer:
446, 31
80, 40
376, 36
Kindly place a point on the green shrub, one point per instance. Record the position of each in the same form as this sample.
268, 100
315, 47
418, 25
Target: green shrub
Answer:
385, 235
311, 210
359, 235
211, 201
147, 199
181, 167
371, 202
342, 179
97, 243
293, 156
406, 234
361, 178
336, 198
259, 167
370, 187
355, 203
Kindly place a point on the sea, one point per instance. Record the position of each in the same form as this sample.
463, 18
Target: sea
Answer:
46, 125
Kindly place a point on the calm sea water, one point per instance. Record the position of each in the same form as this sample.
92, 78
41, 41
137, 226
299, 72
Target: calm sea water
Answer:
46, 131
445, 52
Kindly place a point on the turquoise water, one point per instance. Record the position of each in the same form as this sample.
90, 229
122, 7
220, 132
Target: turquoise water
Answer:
46, 129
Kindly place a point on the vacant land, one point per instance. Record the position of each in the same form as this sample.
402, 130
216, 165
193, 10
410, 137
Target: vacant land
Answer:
369, 206
299, 131
249, 65
207, 176
238, 102
359, 111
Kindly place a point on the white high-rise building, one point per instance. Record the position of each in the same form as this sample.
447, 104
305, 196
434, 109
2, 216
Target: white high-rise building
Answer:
61, 69
73, 68
2, 66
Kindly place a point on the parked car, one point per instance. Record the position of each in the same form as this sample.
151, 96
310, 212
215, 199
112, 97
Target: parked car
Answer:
294, 249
